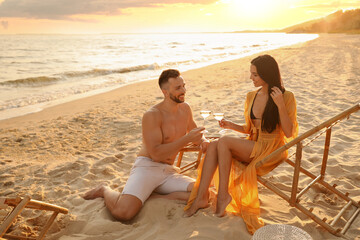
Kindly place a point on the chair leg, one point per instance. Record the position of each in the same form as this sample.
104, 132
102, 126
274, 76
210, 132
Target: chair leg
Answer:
178, 164
47, 226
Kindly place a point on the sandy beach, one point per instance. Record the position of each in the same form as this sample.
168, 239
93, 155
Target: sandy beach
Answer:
58, 154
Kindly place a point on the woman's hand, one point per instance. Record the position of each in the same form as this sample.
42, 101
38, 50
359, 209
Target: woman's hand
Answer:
226, 124
277, 96
285, 121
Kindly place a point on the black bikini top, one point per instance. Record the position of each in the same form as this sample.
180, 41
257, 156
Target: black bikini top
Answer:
252, 116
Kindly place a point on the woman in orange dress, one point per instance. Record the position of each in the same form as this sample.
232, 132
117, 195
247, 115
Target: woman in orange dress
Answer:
270, 121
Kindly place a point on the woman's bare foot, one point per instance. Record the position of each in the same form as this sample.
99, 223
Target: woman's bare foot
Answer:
96, 192
221, 204
199, 203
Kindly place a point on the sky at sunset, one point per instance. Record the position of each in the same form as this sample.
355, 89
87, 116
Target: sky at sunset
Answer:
142, 16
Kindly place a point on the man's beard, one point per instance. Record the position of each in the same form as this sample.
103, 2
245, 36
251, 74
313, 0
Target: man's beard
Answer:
176, 99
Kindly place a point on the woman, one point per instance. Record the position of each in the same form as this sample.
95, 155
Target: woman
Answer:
270, 116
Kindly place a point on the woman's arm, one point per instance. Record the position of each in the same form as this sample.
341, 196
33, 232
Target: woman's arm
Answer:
230, 125
285, 121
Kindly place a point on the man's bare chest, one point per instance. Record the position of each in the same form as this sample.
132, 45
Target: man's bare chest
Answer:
174, 127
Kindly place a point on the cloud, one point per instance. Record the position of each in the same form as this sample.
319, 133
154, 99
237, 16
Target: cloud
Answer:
5, 24
64, 9
332, 5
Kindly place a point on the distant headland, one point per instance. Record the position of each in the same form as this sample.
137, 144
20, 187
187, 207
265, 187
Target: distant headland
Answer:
338, 22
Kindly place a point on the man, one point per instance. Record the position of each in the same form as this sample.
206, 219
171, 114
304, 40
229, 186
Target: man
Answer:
166, 128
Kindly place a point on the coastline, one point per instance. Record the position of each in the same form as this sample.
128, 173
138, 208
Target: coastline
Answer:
25, 94
84, 103
58, 154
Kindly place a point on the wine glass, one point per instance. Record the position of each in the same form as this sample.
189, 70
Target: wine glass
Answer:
205, 114
220, 116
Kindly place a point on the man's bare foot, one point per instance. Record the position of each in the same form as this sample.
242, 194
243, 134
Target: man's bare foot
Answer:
221, 205
96, 192
197, 204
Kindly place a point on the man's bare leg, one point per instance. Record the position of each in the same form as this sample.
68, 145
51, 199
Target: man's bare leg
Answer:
227, 148
209, 167
123, 207
182, 196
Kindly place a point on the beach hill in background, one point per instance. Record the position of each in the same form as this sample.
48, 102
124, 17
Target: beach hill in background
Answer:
337, 22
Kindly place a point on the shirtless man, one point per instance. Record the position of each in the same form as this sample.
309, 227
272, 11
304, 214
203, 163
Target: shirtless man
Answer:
166, 128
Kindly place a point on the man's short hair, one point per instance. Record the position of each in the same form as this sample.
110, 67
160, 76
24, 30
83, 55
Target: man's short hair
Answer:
166, 74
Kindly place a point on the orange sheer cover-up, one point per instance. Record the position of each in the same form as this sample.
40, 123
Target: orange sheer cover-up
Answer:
243, 178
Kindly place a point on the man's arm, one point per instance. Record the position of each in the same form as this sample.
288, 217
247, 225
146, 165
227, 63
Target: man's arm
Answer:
152, 137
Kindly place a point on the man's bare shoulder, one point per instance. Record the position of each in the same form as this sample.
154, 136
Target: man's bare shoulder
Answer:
185, 106
153, 113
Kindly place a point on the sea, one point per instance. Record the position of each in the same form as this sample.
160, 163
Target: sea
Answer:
39, 71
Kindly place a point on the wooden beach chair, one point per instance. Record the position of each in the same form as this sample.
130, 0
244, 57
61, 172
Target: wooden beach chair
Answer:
294, 198
18, 204
191, 148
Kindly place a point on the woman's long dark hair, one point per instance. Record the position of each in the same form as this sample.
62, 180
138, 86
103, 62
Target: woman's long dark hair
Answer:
268, 69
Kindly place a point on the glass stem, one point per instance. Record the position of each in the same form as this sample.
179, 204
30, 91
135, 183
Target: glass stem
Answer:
204, 127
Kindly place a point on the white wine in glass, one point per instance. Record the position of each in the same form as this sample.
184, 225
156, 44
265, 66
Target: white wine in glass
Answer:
205, 114
219, 117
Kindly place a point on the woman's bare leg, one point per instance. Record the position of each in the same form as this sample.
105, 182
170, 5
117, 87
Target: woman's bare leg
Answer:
208, 170
227, 148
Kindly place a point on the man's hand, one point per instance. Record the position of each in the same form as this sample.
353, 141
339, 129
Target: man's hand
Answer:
195, 134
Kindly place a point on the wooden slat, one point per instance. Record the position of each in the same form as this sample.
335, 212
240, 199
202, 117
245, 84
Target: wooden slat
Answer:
308, 187
326, 153
351, 220
337, 217
317, 219
273, 188
16, 211
187, 167
34, 204
296, 174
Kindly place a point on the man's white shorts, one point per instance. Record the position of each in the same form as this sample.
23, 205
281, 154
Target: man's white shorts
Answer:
147, 176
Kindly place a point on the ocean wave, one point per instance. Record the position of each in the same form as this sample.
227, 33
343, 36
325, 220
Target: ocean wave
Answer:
104, 72
98, 72
31, 82
48, 80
